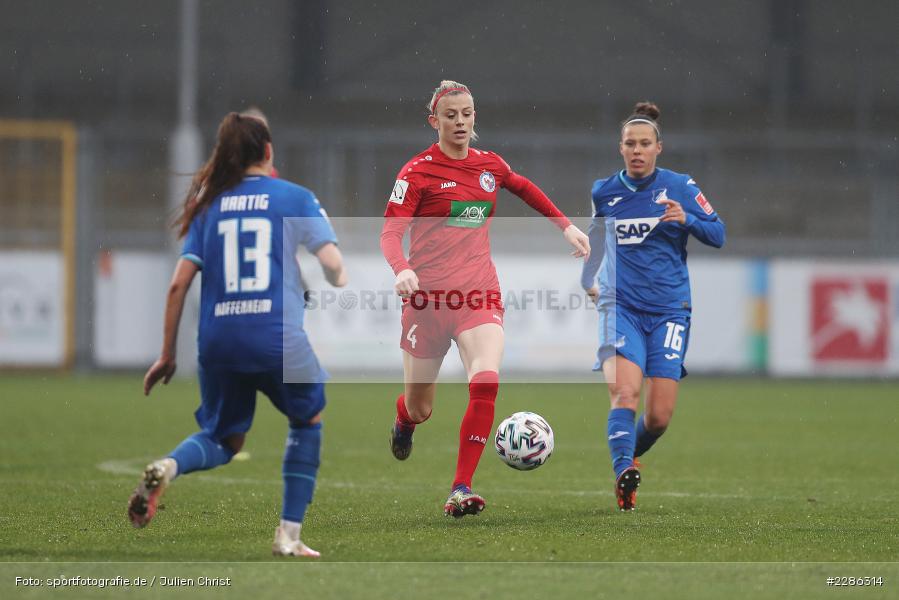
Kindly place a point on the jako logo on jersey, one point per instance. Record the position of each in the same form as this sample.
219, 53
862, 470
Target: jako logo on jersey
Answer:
634, 231
487, 181
399, 191
468, 214
704, 204
616, 200
447, 184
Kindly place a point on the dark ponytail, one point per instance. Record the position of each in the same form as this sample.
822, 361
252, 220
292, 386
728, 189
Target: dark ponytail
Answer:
647, 111
240, 144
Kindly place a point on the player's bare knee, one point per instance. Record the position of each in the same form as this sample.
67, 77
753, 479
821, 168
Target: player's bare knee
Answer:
625, 396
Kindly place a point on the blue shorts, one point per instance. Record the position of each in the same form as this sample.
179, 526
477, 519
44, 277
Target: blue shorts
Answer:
657, 343
228, 399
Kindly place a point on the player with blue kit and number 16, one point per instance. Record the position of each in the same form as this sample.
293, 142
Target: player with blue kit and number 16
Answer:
242, 228
646, 215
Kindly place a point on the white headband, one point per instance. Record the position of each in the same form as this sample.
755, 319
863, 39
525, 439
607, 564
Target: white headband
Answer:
647, 121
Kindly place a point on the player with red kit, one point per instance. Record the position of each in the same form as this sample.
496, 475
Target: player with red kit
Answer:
446, 196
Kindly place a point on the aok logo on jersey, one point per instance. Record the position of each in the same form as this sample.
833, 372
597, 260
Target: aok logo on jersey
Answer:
469, 214
634, 231
850, 319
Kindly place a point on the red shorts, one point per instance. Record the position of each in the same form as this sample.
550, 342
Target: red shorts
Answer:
429, 327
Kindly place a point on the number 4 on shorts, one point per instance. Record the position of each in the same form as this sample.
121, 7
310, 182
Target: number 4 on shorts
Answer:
411, 337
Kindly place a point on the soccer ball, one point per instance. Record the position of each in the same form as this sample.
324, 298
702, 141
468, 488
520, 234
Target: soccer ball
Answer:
524, 441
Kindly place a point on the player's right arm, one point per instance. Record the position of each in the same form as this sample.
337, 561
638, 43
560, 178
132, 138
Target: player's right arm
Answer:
594, 234
591, 265
165, 365
190, 262
401, 206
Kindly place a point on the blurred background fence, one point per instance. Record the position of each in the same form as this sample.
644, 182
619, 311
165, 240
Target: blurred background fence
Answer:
785, 112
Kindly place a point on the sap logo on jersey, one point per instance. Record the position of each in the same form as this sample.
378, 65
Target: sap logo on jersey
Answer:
634, 231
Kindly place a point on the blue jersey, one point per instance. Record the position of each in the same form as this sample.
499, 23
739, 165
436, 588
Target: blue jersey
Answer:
251, 301
648, 271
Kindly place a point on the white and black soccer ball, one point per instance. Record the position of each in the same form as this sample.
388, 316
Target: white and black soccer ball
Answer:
524, 441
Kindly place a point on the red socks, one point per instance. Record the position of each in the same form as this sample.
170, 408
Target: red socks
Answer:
476, 424
402, 416
403, 419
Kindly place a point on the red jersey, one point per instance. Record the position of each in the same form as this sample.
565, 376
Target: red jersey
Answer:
448, 203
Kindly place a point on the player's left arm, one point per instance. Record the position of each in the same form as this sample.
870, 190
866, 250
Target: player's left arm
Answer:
165, 365
696, 214
331, 260
525, 189
317, 235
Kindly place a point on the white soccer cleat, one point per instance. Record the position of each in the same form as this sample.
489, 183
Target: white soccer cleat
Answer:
284, 546
144, 501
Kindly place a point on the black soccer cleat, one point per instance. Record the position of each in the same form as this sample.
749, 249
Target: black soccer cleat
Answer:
626, 488
401, 442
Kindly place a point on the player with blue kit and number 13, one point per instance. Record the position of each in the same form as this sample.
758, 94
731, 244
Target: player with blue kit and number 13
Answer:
646, 215
242, 228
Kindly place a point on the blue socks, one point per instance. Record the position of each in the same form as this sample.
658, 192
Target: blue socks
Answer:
301, 459
200, 452
621, 438
645, 438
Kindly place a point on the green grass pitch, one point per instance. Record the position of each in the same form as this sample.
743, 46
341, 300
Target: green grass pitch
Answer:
759, 487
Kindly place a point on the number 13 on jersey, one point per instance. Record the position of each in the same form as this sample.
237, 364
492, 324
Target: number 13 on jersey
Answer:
259, 254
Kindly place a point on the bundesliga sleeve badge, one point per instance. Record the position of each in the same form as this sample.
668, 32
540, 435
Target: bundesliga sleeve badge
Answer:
487, 181
704, 204
399, 191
